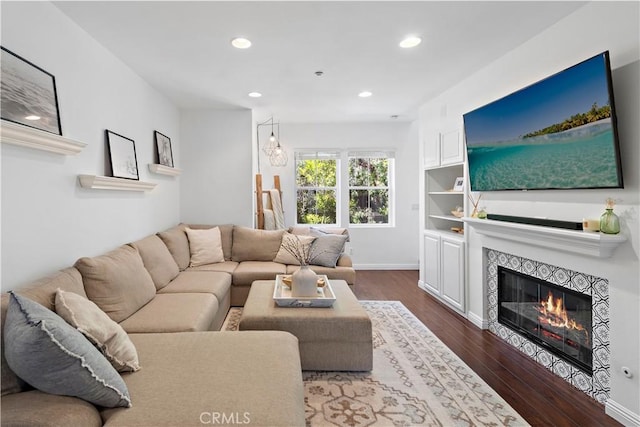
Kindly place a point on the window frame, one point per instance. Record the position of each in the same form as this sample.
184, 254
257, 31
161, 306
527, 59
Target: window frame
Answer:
374, 154
302, 155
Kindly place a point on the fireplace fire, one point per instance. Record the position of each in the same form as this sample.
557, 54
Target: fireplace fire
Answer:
556, 318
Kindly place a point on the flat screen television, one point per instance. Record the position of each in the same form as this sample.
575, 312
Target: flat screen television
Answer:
558, 133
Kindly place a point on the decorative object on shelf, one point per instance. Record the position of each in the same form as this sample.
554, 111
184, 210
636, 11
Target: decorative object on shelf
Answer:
609, 221
165, 155
592, 225
458, 212
482, 213
122, 156
474, 203
28, 94
458, 230
458, 185
277, 155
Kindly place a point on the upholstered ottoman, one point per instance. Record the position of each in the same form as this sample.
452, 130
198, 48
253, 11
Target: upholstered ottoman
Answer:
334, 338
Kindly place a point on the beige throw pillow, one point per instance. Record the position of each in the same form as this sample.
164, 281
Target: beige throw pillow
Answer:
205, 246
103, 332
299, 244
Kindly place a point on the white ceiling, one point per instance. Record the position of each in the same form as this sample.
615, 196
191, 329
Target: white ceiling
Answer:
183, 50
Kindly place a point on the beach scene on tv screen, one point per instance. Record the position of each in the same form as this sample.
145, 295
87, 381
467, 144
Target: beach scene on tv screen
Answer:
555, 134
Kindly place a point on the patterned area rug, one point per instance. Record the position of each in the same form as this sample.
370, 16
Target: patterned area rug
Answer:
416, 381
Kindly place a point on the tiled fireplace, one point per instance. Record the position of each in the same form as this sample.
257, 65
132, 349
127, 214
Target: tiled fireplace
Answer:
558, 317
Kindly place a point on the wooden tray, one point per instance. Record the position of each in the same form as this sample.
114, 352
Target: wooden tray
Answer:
282, 294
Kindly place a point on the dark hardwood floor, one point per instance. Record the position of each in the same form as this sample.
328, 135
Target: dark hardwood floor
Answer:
542, 398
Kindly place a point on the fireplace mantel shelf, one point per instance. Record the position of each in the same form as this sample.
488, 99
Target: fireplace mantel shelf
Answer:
579, 242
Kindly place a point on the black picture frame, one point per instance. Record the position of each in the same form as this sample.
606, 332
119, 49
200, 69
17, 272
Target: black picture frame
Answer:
28, 94
163, 146
122, 156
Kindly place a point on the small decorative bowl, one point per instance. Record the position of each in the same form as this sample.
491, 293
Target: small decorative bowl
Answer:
457, 214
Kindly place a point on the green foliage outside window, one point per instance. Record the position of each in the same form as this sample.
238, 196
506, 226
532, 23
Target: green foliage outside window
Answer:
368, 190
316, 191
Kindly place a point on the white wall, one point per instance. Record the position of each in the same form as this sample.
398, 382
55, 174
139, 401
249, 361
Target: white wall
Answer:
596, 27
373, 248
216, 182
48, 221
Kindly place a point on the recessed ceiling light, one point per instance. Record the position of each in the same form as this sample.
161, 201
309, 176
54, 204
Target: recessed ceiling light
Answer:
32, 117
365, 94
255, 94
410, 41
241, 43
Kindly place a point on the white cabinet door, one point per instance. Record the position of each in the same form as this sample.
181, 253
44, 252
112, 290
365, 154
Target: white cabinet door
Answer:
452, 272
432, 150
451, 148
432, 262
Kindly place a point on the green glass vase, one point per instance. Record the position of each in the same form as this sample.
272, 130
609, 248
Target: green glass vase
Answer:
609, 222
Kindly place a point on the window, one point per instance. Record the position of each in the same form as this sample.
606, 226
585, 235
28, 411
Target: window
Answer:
317, 187
370, 194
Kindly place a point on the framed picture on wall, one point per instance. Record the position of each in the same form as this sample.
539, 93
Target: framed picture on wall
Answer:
165, 155
122, 156
28, 95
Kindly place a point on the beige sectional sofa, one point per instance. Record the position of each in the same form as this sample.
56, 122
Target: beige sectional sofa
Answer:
191, 373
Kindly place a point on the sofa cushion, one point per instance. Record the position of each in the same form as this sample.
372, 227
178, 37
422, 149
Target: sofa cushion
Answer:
188, 376
35, 408
226, 233
248, 271
43, 292
255, 245
203, 282
52, 356
117, 282
299, 245
205, 246
103, 332
223, 267
157, 260
174, 313
176, 241
326, 249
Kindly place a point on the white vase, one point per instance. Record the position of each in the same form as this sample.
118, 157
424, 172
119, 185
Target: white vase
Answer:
304, 282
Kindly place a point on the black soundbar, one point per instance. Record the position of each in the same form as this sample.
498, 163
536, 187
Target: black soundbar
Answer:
569, 225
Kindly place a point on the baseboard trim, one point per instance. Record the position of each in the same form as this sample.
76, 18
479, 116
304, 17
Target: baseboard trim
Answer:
386, 266
621, 414
477, 320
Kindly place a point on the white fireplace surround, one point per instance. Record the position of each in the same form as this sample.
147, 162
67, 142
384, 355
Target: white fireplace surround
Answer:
596, 385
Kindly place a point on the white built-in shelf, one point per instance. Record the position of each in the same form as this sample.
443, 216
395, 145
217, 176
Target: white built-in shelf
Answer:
164, 170
16, 134
448, 193
581, 242
447, 217
109, 183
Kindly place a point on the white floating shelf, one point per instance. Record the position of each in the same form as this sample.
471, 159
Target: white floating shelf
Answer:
581, 242
164, 170
16, 134
109, 183
446, 217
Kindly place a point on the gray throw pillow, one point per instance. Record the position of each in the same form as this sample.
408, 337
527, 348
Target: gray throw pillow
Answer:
52, 356
326, 249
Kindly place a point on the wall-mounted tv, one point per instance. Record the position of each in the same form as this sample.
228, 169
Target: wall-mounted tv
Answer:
558, 133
